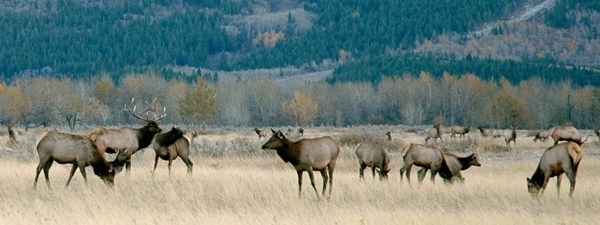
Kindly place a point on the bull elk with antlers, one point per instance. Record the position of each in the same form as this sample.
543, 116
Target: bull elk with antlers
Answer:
126, 138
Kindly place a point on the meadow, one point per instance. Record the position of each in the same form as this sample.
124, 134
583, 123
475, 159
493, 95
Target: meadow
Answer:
236, 182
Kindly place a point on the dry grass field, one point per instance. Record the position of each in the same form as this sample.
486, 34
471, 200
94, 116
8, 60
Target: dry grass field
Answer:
254, 186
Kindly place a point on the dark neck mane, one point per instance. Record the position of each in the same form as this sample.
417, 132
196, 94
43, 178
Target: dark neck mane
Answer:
167, 139
538, 177
286, 153
144, 137
464, 161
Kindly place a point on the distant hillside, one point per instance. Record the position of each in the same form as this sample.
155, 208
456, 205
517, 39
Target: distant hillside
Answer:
85, 38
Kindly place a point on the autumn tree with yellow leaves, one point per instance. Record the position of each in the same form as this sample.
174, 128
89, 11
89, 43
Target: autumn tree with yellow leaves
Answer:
199, 103
301, 109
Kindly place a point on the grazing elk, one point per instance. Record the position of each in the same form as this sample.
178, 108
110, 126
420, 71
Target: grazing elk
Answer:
453, 164
485, 132
566, 133
78, 150
374, 156
434, 133
169, 146
460, 130
420, 155
556, 160
510, 135
126, 138
307, 154
262, 133
542, 135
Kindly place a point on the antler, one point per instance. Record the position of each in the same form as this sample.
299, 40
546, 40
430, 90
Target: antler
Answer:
150, 108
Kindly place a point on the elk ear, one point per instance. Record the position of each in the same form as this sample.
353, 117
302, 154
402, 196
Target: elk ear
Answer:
273, 130
280, 135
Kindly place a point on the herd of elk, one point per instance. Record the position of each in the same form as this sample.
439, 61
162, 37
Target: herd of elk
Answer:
170, 145
126, 138
374, 156
78, 150
307, 154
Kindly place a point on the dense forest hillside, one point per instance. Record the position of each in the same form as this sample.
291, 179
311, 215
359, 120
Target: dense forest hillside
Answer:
82, 39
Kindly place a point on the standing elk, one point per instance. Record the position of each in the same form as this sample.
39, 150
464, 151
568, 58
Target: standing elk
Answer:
556, 160
510, 135
542, 135
301, 131
423, 156
307, 154
170, 145
453, 164
126, 138
262, 133
389, 135
78, 150
374, 156
434, 133
460, 130
485, 132
566, 133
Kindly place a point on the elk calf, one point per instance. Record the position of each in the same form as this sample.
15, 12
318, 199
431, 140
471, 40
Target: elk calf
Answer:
307, 154
262, 133
374, 156
420, 155
556, 160
460, 130
453, 164
73, 149
170, 145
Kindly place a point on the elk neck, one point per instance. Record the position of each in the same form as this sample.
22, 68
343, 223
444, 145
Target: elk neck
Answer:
538, 177
289, 151
464, 162
144, 137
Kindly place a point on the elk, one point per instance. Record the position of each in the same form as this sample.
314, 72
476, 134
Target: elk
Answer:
374, 156
262, 133
453, 164
126, 138
78, 150
566, 133
434, 133
169, 146
485, 132
307, 154
423, 156
556, 160
301, 131
510, 135
597, 132
460, 130
389, 135
542, 135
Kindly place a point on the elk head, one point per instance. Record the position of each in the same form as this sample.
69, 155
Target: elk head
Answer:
276, 141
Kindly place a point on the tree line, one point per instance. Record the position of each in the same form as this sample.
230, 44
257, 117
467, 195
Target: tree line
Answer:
421, 99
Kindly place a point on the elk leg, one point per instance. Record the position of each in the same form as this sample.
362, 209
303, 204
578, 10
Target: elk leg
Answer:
572, 175
325, 179
73, 168
188, 163
299, 172
155, 163
546, 179
82, 170
421, 175
170, 161
128, 165
47, 171
373, 171
361, 171
558, 181
330, 169
433, 173
39, 168
312, 181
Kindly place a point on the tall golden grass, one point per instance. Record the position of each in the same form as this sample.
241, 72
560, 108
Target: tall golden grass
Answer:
262, 189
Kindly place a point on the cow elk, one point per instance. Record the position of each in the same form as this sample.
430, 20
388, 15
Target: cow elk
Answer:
78, 150
566, 133
542, 135
460, 130
434, 133
170, 145
453, 164
428, 158
262, 133
307, 154
374, 156
485, 132
510, 135
556, 160
126, 138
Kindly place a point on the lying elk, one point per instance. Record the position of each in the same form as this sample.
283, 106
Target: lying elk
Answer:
169, 146
307, 154
374, 156
556, 160
567, 133
420, 155
460, 130
126, 138
434, 133
542, 135
453, 164
78, 150
262, 133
